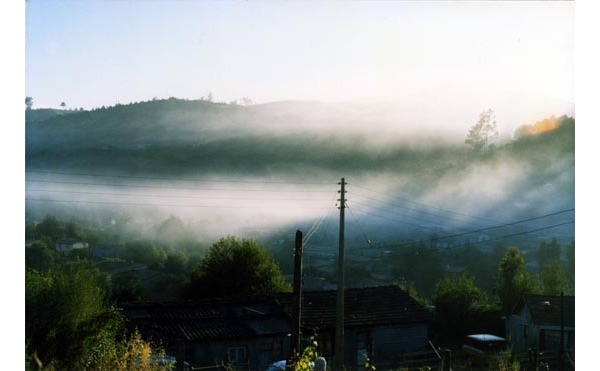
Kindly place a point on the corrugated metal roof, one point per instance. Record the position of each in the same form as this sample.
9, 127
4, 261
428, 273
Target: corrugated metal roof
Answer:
270, 314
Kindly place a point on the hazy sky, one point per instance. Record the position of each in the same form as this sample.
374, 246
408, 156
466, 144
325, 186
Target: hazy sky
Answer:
94, 53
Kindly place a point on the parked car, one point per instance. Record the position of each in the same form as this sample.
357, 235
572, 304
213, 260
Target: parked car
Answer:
481, 348
277, 366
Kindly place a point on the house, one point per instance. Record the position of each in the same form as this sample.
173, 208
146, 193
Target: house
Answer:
66, 247
535, 323
382, 322
252, 333
249, 333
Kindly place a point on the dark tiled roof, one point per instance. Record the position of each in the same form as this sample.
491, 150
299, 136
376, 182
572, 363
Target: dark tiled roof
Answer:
546, 309
206, 321
370, 306
270, 315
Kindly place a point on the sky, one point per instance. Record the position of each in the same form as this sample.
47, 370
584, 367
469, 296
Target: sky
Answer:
94, 53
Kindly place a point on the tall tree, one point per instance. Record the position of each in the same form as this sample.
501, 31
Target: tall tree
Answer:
570, 253
554, 280
548, 253
483, 133
28, 102
456, 298
235, 267
513, 279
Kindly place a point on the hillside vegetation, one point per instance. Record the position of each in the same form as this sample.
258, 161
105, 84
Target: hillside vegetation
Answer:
195, 137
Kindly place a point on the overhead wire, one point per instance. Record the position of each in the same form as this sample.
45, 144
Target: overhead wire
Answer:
362, 231
465, 244
170, 187
171, 195
403, 199
138, 177
162, 205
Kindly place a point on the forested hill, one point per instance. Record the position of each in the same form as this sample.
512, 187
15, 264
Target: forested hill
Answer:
179, 137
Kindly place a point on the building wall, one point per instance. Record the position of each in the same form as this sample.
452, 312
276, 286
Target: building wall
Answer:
388, 343
253, 354
523, 334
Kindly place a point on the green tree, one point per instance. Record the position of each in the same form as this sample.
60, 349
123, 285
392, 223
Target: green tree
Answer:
235, 267
456, 298
548, 253
176, 262
39, 256
554, 279
570, 255
126, 287
483, 133
28, 102
144, 252
173, 230
50, 230
513, 279
65, 313
420, 265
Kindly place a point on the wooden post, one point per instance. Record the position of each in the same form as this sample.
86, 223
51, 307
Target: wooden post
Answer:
297, 309
561, 352
180, 354
339, 325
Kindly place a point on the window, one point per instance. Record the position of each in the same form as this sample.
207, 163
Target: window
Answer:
237, 354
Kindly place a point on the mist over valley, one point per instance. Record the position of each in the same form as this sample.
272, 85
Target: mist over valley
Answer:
266, 170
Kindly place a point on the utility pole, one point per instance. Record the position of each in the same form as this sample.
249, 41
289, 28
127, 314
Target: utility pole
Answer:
339, 323
297, 309
561, 353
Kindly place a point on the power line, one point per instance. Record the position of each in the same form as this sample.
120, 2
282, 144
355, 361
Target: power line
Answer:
367, 240
405, 244
235, 181
173, 187
481, 229
426, 205
170, 195
508, 224
395, 220
158, 205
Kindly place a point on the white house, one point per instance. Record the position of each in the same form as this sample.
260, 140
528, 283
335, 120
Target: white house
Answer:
66, 247
535, 323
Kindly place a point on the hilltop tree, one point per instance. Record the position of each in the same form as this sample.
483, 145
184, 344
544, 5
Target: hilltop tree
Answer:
28, 102
483, 133
513, 279
63, 105
235, 267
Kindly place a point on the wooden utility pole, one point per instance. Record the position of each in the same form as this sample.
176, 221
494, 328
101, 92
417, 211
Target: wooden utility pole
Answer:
561, 352
297, 309
339, 320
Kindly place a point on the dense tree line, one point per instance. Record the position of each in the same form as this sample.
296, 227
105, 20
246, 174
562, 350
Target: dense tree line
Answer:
71, 320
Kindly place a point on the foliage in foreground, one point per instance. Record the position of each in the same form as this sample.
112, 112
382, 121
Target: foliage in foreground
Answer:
70, 326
